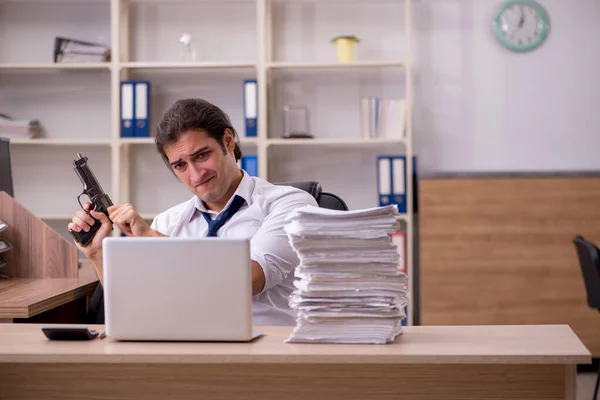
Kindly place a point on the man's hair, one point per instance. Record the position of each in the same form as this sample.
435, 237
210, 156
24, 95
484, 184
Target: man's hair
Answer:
194, 114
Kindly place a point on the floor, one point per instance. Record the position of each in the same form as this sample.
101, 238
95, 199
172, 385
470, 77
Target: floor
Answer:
585, 385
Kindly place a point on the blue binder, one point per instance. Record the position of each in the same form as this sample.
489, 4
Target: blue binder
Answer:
250, 164
126, 109
399, 182
142, 109
404, 321
391, 180
250, 107
384, 180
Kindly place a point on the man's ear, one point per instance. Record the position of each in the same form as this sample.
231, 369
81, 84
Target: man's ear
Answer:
229, 140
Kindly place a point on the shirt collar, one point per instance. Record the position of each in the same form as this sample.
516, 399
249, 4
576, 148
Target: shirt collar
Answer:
244, 190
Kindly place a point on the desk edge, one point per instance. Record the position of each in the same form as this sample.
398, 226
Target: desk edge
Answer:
295, 359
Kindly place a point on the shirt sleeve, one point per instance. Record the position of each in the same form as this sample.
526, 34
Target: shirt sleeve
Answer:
270, 246
158, 226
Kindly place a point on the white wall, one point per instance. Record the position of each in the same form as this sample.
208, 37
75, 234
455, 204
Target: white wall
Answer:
479, 107
483, 108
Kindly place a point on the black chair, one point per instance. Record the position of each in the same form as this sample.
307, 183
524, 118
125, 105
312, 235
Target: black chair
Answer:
95, 313
589, 262
324, 199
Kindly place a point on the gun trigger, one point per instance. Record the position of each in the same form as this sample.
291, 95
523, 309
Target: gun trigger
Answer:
79, 201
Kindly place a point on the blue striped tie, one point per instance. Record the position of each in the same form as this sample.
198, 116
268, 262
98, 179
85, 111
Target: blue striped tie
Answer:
217, 223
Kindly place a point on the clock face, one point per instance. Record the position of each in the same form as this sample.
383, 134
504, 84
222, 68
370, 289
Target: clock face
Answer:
521, 25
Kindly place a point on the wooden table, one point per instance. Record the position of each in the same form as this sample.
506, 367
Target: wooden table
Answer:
27, 297
426, 362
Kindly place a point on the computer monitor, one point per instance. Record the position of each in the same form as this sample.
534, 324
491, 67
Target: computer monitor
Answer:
6, 182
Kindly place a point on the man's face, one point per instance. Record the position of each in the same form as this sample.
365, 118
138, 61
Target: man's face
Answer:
199, 162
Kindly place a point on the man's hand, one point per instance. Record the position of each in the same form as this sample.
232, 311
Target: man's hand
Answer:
82, 222
129, 221
258, 278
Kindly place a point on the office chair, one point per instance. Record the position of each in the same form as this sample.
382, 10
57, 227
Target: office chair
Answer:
589, 262
326, 200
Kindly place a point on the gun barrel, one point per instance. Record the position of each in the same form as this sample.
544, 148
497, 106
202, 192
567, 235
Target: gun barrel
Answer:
91, 186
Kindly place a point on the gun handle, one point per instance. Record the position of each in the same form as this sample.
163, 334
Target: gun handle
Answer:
83, 237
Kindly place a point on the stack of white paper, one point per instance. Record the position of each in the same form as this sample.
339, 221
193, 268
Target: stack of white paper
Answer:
350, 289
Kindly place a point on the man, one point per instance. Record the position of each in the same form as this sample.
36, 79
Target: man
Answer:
198, 143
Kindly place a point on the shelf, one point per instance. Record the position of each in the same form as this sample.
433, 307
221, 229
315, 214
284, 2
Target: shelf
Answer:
140, 140
336, 142
271, 45
186, 65
317, 65
62, 142
186, 2
56, 67
150, 140
248, 141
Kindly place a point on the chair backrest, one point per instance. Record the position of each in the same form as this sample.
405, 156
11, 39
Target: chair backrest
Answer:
324, 199
589, 261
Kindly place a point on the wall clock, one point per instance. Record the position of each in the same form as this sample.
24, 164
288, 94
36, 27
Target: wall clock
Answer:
521, 25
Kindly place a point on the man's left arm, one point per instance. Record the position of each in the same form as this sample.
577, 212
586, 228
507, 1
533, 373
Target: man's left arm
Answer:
272, 256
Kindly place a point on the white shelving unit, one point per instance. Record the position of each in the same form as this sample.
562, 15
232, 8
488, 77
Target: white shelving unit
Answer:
284, 44
49, 66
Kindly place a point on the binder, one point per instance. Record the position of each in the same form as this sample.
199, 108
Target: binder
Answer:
391, 181
384, 180
404, 322
250, 107
68, 50
393, 118
126, 99
142, 109
250, 164
399, 182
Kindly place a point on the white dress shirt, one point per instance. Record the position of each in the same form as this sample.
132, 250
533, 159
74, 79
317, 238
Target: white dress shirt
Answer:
260, 219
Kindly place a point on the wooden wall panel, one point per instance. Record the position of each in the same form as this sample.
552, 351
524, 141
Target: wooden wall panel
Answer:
499, 251
38, 250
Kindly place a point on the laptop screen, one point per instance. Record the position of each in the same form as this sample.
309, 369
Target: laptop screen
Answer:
6, 182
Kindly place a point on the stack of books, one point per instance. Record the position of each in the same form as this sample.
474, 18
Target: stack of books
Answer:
19, 129
68, 50
383, 118
350, 289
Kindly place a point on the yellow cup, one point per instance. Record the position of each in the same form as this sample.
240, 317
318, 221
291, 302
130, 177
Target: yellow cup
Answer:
345, 48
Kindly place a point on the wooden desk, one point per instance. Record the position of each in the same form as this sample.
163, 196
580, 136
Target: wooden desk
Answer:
26, 297
426, 362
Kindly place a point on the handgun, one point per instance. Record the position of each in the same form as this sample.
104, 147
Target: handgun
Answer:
92, 189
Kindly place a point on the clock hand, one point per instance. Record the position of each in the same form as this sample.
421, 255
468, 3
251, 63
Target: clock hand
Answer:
522, 20
520, 24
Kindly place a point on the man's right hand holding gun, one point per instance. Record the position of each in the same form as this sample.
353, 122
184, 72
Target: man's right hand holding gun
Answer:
123, 216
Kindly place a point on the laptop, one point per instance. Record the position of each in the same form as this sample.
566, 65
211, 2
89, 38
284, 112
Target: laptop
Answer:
177, 289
